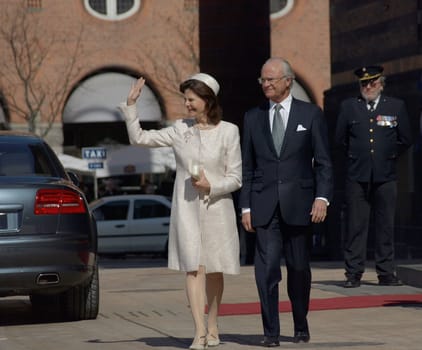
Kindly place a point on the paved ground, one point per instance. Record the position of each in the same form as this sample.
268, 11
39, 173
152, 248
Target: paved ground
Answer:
370, 328
146, 308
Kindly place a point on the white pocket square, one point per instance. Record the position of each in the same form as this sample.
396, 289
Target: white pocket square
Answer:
300, 127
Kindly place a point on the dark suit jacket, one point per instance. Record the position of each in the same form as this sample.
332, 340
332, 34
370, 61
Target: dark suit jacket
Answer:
302, 172
373, 141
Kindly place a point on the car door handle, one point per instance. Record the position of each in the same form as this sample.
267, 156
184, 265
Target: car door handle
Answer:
166, 224
119, 226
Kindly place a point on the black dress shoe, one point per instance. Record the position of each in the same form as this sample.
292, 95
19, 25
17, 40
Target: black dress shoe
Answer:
270, 342
352, 282
301, 337
389, 280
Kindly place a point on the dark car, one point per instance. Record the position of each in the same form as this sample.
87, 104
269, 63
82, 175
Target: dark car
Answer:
48, 238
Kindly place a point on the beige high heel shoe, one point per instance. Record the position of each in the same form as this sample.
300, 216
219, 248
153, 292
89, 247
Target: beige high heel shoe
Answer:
200, 345
213, 340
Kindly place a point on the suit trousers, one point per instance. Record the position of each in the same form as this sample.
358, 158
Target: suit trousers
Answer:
294, 242
362, 199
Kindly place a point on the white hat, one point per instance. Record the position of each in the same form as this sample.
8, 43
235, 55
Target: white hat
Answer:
208, 80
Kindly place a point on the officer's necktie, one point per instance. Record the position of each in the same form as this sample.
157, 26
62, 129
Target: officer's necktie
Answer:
278, 129
371, 106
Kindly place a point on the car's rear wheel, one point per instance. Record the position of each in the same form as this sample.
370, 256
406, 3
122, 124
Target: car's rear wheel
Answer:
82, 302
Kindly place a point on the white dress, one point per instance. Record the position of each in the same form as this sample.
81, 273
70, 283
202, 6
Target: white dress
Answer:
203, 228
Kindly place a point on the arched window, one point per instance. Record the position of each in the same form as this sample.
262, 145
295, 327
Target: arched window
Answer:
112, 10
279, 8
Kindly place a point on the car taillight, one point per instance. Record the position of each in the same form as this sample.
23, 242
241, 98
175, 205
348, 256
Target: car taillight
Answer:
56, 201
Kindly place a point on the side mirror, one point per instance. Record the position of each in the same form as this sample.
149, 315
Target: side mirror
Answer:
74, 178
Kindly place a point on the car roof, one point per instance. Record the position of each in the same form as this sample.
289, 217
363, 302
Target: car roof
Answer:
129, 196
18, 136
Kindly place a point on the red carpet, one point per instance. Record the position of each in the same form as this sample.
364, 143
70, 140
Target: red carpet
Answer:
329, 304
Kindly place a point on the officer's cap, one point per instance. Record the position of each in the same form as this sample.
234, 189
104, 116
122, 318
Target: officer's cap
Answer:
369, 72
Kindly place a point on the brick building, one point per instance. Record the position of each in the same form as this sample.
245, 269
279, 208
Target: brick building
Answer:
144, 38
108, 43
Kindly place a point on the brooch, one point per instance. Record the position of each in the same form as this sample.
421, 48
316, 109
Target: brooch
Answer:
188, 134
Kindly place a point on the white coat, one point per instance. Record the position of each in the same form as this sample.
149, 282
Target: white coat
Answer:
203, 228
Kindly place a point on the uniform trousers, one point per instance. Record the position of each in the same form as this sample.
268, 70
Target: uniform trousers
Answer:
272, 242
362, 200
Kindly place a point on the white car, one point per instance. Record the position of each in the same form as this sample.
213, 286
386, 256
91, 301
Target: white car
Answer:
137, 223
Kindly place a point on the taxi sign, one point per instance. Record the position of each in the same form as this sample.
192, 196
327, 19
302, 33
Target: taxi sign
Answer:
94, 153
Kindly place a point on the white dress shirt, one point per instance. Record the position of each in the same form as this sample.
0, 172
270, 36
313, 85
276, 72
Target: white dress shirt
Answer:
375, 103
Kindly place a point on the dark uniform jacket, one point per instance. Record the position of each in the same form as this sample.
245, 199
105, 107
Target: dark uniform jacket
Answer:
373, 140
302, 172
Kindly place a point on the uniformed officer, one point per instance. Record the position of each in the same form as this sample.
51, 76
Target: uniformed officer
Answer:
374, 130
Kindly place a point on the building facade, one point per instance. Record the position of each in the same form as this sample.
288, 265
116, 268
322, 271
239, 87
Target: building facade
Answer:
107, 44
92, 50
86, 53
387, 33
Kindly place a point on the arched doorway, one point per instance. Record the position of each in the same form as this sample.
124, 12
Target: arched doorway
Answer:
3, 120
91, 116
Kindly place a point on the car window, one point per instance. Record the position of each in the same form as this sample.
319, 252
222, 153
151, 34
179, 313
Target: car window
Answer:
24, 160
115, 210
148, 208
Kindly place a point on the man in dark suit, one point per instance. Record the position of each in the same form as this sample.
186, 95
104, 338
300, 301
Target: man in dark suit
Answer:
287, 184
374, 130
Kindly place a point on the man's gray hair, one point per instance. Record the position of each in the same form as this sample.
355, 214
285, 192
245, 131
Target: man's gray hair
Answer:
287, 68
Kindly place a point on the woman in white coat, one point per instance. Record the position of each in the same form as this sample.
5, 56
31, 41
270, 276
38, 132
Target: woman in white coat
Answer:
203, 237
